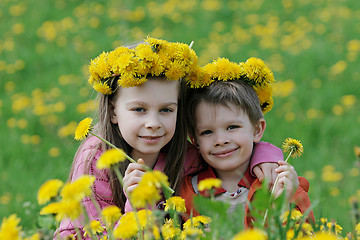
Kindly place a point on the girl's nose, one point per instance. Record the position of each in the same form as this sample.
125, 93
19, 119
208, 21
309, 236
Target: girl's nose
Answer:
153, 122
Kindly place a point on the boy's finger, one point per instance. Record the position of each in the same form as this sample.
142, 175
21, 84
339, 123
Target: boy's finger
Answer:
258, 173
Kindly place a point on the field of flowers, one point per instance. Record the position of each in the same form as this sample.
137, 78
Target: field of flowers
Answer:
313, 48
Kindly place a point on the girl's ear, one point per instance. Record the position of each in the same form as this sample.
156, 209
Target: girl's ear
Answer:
259, 130
113, 117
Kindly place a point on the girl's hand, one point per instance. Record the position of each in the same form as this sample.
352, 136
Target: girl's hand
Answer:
133, 175
266, 171
288, 180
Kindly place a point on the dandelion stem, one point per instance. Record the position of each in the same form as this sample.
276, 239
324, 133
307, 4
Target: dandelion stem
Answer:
87, 219
112, 145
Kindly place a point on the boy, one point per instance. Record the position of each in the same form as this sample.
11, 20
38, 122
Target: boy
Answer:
226, 120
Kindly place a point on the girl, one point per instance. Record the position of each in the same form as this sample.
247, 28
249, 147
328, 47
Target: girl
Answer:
141, 111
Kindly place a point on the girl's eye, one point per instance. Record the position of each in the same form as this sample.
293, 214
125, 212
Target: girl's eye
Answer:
233, 127
139, 109
166, 110
206, 132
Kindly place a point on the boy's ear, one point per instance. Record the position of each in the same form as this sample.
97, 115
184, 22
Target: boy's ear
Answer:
193, 141
259, 130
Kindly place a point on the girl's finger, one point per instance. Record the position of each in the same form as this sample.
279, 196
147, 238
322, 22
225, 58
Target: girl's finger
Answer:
135, 166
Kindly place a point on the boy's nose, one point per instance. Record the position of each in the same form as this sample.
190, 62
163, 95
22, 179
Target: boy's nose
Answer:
221, 139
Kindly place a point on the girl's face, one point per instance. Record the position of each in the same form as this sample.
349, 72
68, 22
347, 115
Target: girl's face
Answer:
225, 136
146, 115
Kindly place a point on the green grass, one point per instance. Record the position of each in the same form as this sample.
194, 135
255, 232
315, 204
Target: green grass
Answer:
301, 40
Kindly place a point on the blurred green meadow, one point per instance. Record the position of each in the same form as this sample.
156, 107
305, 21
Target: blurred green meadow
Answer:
313, 48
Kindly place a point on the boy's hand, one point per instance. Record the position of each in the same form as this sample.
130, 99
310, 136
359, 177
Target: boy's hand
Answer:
288, 180
266, 171
133, 175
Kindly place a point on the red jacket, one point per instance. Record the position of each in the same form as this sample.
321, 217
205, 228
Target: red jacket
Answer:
300, 197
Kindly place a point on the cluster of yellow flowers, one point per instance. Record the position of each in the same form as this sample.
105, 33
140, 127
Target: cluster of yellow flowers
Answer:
253, 71
69, 206
131, 66
174, 61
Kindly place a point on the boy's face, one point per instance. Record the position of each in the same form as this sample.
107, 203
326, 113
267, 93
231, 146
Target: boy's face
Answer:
225, 136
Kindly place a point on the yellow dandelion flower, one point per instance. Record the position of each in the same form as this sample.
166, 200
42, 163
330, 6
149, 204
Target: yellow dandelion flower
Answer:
295, 215
196, 221
145, 218
357, 151
357, 228
225, 70
143, 68
209, 183
156, 232
321, 236
127, 227
128, 80
155, 178
267, 105
99, 68
69, 209
110, 158
63, 209
293, 147
175, 71
144, 52
290, 234
111, 214
49, 190
192, 233
253, 234
198, 78
124, 63
83, 129
156, 44
335, 227
175, 203
307, 228
78, 189
144, 195
96, 227
35, 236
103, 88
256, 70
10, 228
157, 66
169, 231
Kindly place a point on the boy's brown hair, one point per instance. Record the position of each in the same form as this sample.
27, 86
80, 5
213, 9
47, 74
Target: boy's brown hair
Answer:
237, 92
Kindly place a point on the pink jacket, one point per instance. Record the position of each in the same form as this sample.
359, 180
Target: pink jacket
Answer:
89, 153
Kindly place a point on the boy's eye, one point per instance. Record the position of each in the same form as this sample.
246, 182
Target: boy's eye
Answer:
206, 132
139, 109
233, 127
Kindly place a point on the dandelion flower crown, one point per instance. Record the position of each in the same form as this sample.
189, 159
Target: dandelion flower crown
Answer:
132, 66
253, 71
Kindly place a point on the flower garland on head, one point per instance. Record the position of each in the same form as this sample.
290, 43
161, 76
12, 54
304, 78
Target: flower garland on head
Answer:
253, 71
132, 66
